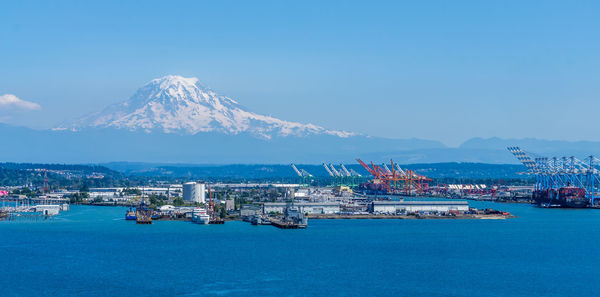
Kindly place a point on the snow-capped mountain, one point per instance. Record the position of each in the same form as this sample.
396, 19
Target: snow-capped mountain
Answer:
174, 104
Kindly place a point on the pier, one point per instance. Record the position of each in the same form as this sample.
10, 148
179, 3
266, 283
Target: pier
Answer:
283, 224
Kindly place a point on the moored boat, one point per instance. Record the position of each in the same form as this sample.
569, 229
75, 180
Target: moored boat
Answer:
565, 197
130, 215
200, 216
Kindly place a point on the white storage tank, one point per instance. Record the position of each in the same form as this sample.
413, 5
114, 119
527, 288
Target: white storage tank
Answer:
200, 193
194, 192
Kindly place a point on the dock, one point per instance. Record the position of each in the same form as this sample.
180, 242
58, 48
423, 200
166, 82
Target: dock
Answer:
408, 217
281, 224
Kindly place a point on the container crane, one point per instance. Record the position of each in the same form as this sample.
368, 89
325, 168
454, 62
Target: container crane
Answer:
345, 170
354, 173
303, 174
558, 180
328, 170
296, 170
395, 181
337, 173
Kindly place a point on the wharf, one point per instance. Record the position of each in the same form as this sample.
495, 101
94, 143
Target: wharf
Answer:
285, 225
216, 222
408, 217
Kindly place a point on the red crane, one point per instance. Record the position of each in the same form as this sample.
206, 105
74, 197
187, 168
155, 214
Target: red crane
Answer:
395, 180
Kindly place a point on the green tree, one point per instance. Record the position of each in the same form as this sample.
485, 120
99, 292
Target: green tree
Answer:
222, 211
178, 201
131, 191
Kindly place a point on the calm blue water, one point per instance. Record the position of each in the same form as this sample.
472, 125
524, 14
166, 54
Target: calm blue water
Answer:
93, 251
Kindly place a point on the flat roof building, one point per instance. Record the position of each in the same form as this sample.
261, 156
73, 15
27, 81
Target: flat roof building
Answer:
393, 207
305, 207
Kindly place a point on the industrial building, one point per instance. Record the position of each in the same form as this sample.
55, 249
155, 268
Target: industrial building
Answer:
392, 207
194, 192
305, 207
229, 204
248, 211
48, 210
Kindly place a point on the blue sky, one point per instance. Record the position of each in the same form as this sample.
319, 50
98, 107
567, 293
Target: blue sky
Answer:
441, 70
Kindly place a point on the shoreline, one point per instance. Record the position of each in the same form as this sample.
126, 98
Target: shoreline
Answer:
411, 217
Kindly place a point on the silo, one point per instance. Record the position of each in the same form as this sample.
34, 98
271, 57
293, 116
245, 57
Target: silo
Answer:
189, 191
200, 193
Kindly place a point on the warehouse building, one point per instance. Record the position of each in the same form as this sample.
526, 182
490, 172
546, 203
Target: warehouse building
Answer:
392, 207
305, 207
248, 211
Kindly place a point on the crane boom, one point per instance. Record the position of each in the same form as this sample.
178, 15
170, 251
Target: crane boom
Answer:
305, 173
402, 172
369, 169
354, 173
334, 170
296, 170
524, 158
345, 170
387, 170
328, 170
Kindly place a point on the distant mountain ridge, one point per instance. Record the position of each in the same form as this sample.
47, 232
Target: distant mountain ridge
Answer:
273, 171
535, 147
175, 104
178, 120
110, 145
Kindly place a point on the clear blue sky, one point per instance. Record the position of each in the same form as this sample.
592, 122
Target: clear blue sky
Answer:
442, 70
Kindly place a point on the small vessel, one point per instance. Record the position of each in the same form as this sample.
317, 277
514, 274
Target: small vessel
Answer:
199, 216
143, 214
130, 214
260, 220
217, 221
293, 218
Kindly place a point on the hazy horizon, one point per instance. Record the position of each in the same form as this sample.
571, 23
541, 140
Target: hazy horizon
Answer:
446, 71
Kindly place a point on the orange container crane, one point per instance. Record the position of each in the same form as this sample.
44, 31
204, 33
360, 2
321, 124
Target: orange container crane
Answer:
395, 180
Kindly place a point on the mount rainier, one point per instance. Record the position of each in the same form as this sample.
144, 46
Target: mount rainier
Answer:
178, 120
174, 104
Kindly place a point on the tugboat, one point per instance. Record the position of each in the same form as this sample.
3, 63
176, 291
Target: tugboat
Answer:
143, 214
130, 215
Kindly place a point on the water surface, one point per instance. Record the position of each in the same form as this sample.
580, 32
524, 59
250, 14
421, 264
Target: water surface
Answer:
92, 251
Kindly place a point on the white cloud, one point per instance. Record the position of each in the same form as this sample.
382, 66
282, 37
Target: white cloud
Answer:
14, 102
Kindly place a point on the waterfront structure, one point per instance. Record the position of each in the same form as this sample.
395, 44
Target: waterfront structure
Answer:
396, 180
48, 210
229, 204
253, 185
393, 207
200, 216
194, 192
564, 181
305, 207
250, 210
